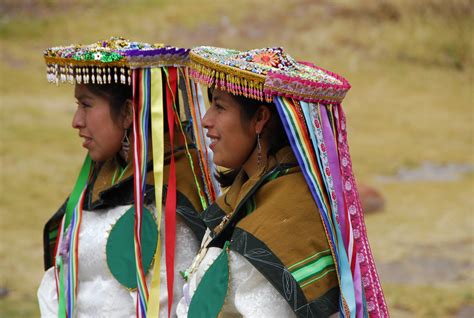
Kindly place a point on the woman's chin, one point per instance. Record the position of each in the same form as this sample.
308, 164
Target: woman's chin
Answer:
216, 162
220, 163
97, 157
225, 164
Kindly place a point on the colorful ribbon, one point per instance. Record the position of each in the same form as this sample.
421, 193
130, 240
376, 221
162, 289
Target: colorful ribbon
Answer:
293, 119
157, 128
320, 129
323, 126
170, 209
68, 244
376, 304
211, 186
141, 99
184, 94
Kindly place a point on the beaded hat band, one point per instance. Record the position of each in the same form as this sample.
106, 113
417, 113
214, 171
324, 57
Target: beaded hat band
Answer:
264, 73
108, 61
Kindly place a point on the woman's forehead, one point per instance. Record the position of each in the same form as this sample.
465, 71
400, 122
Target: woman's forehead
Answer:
82, 91
218, 94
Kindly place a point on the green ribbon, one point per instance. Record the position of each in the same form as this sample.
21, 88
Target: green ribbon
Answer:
81, 182
77, 190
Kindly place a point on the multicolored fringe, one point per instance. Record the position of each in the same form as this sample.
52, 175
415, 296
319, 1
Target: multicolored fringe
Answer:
321, 114
141, 113
316, 115
87, 74
297, 131
227, 78
197, 110
68, 244
318, 129
184, 94
263, 73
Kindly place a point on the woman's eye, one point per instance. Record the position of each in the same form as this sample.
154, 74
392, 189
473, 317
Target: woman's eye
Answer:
83, 105
219, 107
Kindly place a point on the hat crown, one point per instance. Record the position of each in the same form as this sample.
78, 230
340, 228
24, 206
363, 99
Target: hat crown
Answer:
108, 61
106, 51
270, 71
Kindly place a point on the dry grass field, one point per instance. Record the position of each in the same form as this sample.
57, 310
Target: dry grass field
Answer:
410, 115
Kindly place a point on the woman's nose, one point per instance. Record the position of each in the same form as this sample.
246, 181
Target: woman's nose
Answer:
206, 122
78, 119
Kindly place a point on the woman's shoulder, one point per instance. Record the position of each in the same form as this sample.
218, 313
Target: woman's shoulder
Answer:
290, 182
285, 229
283, 205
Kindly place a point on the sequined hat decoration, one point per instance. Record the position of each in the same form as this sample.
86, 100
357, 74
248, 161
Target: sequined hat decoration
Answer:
264, 73
108, 61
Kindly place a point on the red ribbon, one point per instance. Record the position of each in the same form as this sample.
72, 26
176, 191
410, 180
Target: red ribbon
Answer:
170, 208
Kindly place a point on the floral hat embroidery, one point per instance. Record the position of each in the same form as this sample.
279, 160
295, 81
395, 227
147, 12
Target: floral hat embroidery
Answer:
108, 61
263, 73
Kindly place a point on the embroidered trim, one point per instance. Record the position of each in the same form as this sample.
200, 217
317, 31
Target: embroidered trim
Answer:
267, 263
108, 61
263, 73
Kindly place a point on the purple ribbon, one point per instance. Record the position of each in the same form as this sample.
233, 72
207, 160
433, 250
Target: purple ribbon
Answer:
169, 50
333, 160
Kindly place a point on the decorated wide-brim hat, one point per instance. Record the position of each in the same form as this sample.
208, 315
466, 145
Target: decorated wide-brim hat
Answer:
264, 73
308, 99
108, 61
158, 77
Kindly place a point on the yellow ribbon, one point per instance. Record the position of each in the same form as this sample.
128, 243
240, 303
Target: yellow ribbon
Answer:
157, 138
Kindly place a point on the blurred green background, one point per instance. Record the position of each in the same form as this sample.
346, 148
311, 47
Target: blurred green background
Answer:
410, 120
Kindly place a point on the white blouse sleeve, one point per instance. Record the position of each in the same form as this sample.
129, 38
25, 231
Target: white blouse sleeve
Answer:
251, 295
47, 297
185, 250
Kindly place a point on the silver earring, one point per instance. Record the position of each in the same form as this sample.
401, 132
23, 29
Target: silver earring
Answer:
259, 153
125, 146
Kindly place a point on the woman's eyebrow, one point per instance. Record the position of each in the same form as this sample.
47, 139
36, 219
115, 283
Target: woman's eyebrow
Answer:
83, 96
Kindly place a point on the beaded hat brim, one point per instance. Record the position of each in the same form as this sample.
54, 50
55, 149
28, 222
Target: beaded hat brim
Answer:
264, 73
108, 61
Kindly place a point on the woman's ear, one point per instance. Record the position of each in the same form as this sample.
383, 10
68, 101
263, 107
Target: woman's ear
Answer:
127, 114
262, 117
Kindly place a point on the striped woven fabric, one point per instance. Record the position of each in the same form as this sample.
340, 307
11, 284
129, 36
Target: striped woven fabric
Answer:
313, 268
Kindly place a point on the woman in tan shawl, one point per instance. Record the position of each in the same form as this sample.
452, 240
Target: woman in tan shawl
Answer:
280, 240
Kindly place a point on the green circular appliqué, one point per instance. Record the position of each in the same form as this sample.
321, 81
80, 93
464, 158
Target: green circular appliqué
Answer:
120, 248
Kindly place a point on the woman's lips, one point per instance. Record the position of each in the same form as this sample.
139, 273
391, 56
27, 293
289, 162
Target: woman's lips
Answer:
214, 141
87, 142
